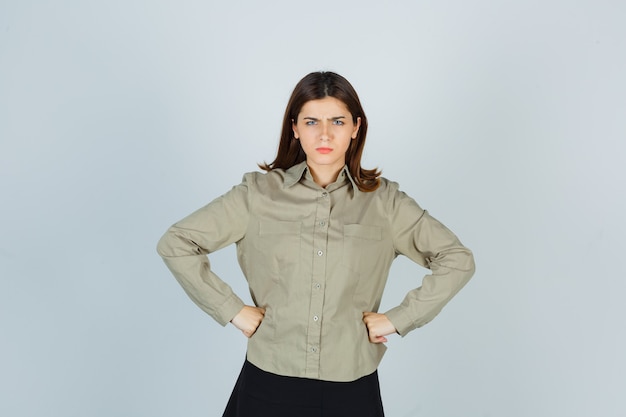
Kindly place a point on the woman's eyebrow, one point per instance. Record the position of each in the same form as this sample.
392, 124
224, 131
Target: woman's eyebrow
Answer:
316, 119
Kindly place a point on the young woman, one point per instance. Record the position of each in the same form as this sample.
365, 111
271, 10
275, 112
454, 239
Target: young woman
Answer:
316, 235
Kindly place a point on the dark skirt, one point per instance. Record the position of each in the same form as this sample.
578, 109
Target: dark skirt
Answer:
258, 393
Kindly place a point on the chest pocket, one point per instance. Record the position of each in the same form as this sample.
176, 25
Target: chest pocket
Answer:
361, 246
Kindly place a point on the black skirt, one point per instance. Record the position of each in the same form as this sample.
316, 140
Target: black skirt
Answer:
258, 394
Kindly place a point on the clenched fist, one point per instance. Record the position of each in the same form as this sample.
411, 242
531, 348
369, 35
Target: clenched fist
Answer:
248, 319
378, 326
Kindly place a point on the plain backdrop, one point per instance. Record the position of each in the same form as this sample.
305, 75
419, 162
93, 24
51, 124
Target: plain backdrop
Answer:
505, 119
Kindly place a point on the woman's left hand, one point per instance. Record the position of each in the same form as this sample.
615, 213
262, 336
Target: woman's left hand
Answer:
378, 326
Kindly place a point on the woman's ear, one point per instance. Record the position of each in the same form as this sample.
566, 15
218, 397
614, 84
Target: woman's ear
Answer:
356, 127
294, 127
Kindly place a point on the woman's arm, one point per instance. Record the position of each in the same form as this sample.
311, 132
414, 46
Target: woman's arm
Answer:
429, 243
185, 245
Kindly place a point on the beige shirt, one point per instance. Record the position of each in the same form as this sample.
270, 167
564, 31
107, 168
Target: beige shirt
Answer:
316, 258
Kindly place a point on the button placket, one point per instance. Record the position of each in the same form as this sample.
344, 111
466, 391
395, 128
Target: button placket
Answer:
318, 278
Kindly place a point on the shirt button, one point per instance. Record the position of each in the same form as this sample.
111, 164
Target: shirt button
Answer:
313, 349
320, 253
322, 223
315, 318
318, 286
324, 194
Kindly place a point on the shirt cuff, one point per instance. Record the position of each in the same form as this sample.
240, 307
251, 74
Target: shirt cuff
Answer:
400, 319
229, 310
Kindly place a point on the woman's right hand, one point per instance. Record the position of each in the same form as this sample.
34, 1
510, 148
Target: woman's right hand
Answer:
248, 319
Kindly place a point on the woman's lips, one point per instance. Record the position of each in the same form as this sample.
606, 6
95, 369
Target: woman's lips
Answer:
324, 150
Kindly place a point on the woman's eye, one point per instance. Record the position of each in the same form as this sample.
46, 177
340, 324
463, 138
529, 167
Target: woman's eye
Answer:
338, 122
310, 122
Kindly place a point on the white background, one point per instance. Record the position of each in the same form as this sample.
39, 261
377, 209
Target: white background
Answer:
505, 119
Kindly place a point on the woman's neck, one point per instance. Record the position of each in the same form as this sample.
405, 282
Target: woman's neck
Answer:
325, 174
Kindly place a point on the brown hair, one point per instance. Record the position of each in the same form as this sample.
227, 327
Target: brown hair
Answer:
316, 86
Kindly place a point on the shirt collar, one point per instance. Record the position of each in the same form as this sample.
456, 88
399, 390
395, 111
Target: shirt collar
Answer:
294, 174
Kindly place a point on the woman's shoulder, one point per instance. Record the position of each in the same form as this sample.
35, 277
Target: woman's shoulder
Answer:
264, 179
387, 186
391, 192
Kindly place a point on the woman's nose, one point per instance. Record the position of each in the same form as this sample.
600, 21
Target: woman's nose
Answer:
325, 132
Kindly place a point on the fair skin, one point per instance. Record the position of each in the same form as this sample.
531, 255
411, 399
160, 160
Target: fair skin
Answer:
248, 319
325, 129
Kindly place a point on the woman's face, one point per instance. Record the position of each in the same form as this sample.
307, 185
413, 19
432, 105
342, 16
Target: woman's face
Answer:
325, 129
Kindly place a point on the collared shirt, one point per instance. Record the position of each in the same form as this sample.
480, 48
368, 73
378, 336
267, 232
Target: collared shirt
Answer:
316, 258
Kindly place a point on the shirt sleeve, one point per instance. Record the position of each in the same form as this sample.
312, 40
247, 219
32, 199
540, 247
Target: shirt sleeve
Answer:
429, 243
184, 248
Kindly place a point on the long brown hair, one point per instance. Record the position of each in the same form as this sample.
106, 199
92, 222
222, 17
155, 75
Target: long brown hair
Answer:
316, 86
